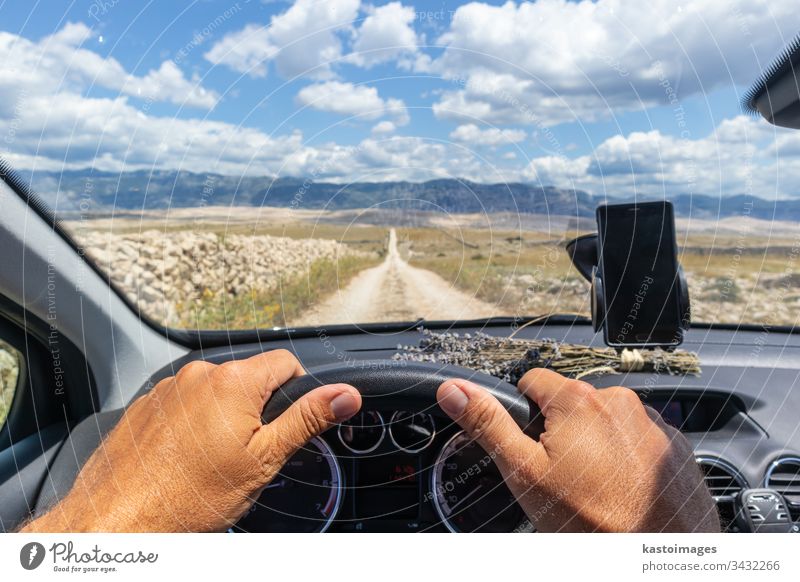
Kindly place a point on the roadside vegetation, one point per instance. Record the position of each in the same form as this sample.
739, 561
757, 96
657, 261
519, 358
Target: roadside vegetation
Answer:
277, 306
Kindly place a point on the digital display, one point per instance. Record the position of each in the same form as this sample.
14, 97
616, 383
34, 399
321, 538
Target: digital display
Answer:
670, 410
387, 488
387, 471
639, 273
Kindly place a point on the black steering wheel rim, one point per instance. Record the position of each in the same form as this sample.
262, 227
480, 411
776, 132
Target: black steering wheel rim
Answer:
388, 385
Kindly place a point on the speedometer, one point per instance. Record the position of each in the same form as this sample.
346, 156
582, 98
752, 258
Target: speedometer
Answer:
469, 492
303, 497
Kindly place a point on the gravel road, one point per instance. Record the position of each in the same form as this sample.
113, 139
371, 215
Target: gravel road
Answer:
396, 291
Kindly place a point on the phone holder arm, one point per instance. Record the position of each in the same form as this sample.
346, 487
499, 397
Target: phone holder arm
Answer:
584, 254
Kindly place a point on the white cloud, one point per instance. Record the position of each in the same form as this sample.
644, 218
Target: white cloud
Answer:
354, 100
474, 136
111, 134
502, 98
412, 158
167, 83
383, 127
246, 51
114, 135
580, 61
303, 40
386, 34
736, 158
60, 62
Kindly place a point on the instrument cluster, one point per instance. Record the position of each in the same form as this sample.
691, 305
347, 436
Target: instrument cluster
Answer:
388, 471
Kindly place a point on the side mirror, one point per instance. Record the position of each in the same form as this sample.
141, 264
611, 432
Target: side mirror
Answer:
776, 94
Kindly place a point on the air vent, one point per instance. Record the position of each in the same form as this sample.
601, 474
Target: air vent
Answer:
724, 482
722, 478
784, 476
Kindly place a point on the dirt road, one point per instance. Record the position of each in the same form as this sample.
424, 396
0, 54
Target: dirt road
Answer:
396, 291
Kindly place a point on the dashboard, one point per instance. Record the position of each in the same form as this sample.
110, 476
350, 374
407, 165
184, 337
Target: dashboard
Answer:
403, 472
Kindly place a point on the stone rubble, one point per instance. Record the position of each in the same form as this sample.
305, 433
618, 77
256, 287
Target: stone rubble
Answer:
753, 298
161, 271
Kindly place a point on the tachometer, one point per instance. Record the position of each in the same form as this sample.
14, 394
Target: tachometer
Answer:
469, 492
303, 497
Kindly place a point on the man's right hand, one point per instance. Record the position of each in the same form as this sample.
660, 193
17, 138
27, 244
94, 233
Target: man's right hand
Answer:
604, 463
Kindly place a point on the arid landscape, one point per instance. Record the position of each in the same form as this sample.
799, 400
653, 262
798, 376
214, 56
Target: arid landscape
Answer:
239, 268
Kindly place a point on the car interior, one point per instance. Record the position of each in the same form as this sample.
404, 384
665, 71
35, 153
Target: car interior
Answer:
84, 351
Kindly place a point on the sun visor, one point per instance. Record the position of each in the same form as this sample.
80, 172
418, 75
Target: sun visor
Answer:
776, 94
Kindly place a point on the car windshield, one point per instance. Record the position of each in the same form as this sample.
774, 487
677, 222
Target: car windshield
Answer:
241, 165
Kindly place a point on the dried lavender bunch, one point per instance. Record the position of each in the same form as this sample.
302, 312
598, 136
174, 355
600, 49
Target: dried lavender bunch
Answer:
509, 358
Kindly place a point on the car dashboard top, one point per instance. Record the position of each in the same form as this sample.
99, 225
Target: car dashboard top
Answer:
402, 472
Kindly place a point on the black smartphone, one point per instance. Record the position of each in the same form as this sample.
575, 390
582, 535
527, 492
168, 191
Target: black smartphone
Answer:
638, 267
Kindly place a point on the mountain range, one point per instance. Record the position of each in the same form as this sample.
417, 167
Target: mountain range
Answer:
88, 190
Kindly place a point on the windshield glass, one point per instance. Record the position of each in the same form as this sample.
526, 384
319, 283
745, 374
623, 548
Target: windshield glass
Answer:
270, 164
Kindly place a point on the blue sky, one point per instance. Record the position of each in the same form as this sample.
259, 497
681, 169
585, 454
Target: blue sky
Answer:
614, 96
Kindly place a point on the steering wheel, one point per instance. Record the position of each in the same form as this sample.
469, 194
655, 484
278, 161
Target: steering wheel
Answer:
387, 385
390, 386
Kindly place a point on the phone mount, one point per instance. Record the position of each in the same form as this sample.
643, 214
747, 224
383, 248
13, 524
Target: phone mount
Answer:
584, 254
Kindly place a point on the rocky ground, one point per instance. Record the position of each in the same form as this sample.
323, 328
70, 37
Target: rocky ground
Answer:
764, 298
531, 295
752, 298
162, 272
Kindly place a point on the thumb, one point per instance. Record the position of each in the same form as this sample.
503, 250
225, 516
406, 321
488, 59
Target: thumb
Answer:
485, 420
306, 418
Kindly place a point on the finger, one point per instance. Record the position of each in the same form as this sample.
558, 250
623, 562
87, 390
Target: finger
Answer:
551, 391
306, 418
659, 422
258, 376
485, 420
653, 414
